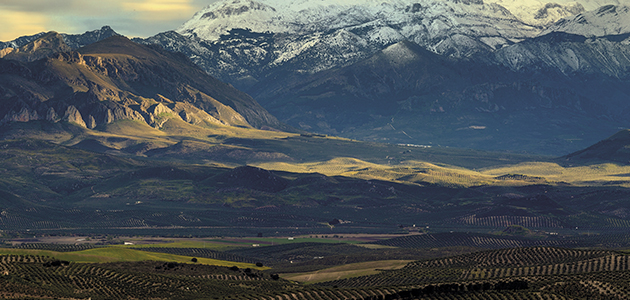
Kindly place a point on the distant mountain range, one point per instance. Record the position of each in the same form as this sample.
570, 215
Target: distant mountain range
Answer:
520, 76
74, 41
497, 75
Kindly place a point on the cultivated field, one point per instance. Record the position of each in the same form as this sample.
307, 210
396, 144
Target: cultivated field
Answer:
514, 273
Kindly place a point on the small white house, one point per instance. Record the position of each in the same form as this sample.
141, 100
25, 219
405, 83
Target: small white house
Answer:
128, 243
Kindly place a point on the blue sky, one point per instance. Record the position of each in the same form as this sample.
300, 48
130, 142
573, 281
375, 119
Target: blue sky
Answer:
133, 18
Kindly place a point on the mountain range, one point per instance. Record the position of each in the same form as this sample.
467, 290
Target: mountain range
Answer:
117, 135
116, 79
107, 137
495, 75
524, 76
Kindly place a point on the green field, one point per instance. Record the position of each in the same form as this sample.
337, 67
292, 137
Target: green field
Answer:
120, 254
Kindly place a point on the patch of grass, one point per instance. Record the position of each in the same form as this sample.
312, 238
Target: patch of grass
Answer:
121, 254
247, 242
374, 246
589, 175
281, 241
347, 271
407, 171
209, 244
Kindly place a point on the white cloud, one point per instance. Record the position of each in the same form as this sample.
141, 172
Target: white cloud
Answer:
163, 10
46, 6
17, 23
133, 18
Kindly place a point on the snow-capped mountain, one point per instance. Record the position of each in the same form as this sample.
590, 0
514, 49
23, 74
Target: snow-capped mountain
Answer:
595, 42
570, 54
544, 13
406, 94
604, 21
437, 25
245, 41
558, 64
506, 63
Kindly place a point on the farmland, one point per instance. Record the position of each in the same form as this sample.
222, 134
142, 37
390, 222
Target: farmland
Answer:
540, 272
235, 213
127, 173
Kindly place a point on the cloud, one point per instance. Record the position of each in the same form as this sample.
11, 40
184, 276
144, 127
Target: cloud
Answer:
46, 6
133, 18
16, 23
162, 10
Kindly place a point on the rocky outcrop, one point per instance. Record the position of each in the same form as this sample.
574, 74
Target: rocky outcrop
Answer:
23, 115
52, 116
193, 115
159, 113
5, 51
73, 115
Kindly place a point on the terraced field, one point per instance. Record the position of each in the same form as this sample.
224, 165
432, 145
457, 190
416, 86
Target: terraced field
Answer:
556, 272
511, 274
488, 241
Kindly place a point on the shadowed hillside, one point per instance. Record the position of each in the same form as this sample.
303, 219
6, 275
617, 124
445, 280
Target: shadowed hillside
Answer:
614, 149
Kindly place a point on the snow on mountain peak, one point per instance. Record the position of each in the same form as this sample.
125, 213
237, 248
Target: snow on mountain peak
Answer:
246, 38
606, 20
492, 22
382, 22
218, 18
399, 54
236, 8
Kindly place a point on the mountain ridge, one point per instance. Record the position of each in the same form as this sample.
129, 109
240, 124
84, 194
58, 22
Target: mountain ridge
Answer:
264, 64
407, 94
117, 79
74, 41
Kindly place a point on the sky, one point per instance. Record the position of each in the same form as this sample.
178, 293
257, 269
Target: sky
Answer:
132, 18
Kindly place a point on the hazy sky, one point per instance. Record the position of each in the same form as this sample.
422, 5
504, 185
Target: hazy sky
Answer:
133, 18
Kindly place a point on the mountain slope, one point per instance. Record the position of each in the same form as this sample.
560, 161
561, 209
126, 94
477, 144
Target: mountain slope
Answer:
604, 21
117, 79
296, 37
244, 41
406, 94
615, 148
305, 62
300, 59
570, 54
